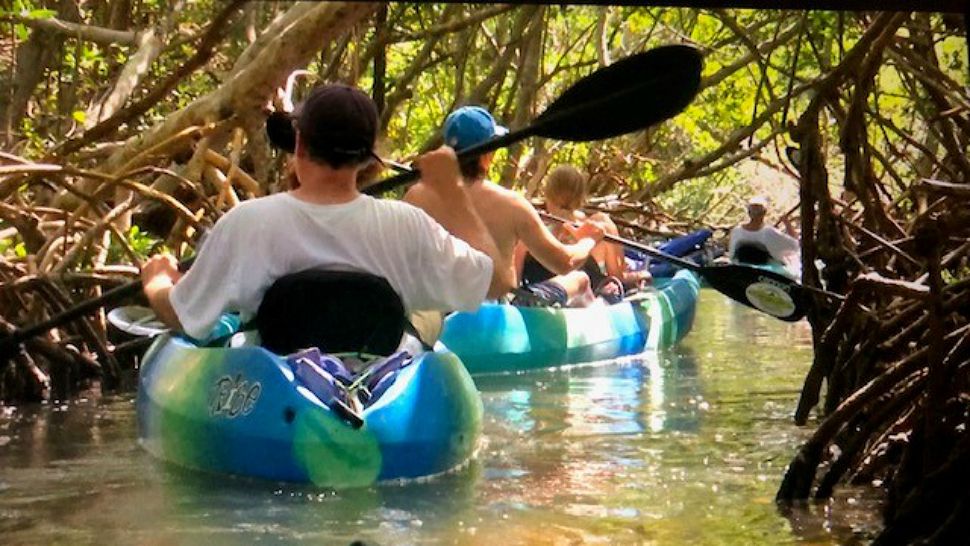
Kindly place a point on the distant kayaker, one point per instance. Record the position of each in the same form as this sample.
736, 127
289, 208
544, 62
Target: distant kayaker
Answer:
326, 223
510, 217
565, 194
755, 242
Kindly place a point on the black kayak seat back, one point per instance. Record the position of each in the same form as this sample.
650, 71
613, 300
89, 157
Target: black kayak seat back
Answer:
335, 311
752, 254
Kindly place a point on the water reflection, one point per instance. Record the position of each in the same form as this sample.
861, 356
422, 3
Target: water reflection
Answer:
200, 504
650, 392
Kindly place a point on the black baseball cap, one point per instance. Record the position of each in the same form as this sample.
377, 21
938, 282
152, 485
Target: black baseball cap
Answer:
335, 119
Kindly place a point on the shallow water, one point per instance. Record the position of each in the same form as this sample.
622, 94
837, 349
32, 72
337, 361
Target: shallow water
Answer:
687, 447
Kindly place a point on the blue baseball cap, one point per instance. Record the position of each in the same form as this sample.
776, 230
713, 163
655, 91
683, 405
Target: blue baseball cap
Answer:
470, 125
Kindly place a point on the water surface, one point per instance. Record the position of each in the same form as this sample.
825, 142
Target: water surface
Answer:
685, 447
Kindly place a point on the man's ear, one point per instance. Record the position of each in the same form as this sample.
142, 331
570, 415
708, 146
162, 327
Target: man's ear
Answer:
485, 160
298, 149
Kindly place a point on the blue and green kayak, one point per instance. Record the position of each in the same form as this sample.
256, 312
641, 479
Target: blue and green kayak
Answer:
244, 411
505, 338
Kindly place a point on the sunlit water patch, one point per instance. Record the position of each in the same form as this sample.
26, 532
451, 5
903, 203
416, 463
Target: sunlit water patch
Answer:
686, 447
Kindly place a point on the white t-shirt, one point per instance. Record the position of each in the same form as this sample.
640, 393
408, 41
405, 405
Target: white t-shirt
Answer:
264, 239
781, 246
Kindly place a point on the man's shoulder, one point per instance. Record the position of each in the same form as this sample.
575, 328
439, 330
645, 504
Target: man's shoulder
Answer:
260, 204
249, 210
393, 207
509, 199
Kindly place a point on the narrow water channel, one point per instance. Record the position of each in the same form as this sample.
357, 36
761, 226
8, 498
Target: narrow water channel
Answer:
686, 447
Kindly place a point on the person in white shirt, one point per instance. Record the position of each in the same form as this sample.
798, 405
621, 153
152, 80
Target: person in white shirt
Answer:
754, 237
449, 262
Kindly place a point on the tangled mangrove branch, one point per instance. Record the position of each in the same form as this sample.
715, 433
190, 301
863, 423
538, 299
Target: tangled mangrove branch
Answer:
894, 355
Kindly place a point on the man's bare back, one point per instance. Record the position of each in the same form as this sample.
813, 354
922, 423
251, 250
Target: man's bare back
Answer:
510, 218
504, 213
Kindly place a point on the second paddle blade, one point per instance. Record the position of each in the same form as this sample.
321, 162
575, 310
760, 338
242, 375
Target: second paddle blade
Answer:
763, 290
628, 95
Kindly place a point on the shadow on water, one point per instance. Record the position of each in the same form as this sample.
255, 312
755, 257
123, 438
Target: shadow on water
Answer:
683, 447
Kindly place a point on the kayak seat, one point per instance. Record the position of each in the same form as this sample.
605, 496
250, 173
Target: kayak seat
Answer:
308, 368
335, 311
328, 363
326, 378
339, 388
383, 373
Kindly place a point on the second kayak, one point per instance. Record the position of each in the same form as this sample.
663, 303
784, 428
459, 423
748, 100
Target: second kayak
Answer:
505, 338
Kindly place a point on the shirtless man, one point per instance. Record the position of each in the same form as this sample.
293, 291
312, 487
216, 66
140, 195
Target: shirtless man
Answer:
510, 217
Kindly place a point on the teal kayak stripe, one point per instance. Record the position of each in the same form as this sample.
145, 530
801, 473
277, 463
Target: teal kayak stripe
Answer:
504, 338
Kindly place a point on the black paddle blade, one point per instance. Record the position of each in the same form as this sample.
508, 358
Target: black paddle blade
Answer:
280, 130
628, 95
766, 291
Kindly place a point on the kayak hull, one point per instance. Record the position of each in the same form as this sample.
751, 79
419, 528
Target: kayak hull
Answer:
241, 411
501, 338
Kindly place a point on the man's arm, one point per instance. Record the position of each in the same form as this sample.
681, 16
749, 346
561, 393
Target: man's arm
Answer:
611, 253
783, 242
732, 242
789, 228
518, 259
440, 194
158, 276
549, 251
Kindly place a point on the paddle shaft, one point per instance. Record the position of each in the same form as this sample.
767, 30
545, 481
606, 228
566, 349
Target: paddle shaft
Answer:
679, 262
469, 154
117, 293
552, 121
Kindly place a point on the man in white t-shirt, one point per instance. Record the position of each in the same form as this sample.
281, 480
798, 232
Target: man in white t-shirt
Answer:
449, 262
754, 237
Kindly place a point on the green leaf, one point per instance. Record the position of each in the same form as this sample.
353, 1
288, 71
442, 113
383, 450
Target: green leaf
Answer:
20, 250
40, 14
79, 116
